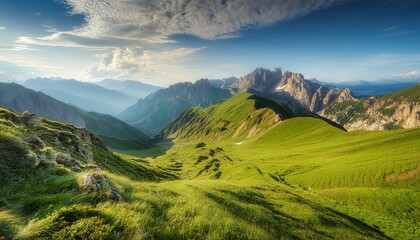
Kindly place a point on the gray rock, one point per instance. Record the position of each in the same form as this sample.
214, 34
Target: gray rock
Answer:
86, 153
93, 182
68, 161
30, 119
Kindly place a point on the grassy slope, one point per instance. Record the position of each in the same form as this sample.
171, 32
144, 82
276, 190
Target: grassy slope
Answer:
300, 178
372, 176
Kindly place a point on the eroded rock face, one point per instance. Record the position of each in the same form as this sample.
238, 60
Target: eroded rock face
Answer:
375, 114
93, 182
312, 95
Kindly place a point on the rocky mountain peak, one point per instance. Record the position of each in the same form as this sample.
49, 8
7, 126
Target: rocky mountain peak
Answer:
260, 79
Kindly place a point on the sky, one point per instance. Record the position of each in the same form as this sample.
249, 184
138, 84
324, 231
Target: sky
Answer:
167, 41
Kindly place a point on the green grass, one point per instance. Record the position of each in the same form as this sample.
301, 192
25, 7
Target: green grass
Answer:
297, 179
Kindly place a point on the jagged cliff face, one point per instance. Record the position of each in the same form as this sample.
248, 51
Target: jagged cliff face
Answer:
262, 80
311, 95
375, 114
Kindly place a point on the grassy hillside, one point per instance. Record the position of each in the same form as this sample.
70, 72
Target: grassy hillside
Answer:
245, 115
300, 178
372, 176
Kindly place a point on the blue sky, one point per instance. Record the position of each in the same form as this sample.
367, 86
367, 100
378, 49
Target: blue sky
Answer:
163, 42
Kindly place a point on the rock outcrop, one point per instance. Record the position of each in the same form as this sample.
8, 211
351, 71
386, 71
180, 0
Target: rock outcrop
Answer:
375, 114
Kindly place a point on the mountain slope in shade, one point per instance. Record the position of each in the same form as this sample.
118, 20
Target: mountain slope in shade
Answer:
398, 110
165, 105
130, 88
309, 94
80, 93
20, 99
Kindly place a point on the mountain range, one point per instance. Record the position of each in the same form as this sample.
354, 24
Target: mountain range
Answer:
88, 96
279, 85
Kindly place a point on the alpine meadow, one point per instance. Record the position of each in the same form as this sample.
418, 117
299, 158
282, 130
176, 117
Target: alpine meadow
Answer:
138, 119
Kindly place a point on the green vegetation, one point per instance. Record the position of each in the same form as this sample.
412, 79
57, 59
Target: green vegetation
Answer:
243, 169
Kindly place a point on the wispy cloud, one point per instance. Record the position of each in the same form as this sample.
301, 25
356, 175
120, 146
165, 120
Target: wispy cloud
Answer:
397, 34
132, 30
155, 21
390, 28
2, 28
17, 47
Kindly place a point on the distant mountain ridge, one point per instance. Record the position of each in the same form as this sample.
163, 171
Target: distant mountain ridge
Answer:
20, 99
131, 88
165, 105
88, 96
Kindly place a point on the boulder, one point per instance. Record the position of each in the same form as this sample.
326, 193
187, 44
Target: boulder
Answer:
86, 153
93, 182
30, 119
68, 161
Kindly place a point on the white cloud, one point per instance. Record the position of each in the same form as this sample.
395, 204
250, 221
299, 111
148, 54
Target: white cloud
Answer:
2, 28
118, 21
129, 62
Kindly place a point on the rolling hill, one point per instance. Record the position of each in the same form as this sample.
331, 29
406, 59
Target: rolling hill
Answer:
87, 96
394, 111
